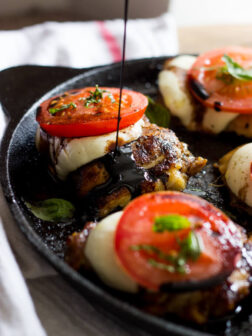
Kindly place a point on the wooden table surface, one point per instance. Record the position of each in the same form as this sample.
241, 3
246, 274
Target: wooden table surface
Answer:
199, 39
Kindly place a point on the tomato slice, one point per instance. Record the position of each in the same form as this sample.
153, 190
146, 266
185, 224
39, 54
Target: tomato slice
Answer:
222, 93
219, 238
71, 116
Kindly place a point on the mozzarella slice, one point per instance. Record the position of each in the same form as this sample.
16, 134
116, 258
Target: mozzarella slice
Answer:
184, 61
70, 154
217, 122
238, 174
100, 253
176, 99
175, 96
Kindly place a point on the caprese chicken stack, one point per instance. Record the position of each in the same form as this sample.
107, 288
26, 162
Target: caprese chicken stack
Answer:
77, 133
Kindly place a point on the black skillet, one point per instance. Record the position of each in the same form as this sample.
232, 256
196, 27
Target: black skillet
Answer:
24, 177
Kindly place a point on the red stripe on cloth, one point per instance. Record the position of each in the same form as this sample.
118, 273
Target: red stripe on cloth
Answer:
111, 41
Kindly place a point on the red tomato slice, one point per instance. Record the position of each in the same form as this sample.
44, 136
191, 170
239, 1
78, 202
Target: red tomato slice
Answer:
78, 120
219, 238
231, 96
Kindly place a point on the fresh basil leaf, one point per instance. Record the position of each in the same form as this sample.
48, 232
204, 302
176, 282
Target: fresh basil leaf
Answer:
171, 223
61, 108
52, 210
190, 246
235, 70
157, 114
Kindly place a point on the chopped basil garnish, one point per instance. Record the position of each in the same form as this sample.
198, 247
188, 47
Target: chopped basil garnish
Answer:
52, 210
157, 114
170, 223
152, 249
189, 250
232, 70
61, 108
95, 96
165, 267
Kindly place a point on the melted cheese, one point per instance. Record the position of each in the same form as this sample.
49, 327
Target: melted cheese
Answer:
238, 174
217, 122
77, 152
175, 98
184, 61
100, 253
178, 98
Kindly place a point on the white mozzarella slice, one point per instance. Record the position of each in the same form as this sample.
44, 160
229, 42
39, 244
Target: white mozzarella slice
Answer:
175, 98
184, 61
100, 253
217, 122
80, 151
238, 174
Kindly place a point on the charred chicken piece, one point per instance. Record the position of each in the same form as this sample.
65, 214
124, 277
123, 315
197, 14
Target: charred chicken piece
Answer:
75, 247
155, 161
149, 158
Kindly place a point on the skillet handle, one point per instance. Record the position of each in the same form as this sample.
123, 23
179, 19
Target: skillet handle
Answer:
21, 86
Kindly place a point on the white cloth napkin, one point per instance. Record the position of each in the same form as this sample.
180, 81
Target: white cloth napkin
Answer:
78, 44
62, 310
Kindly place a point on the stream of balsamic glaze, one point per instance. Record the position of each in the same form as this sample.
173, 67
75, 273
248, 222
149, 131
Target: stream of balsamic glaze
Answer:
120, 163
126, 3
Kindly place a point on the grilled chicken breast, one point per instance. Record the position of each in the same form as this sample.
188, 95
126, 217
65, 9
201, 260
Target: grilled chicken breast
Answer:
150, 158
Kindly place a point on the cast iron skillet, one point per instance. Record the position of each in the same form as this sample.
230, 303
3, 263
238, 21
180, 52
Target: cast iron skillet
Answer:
24, 178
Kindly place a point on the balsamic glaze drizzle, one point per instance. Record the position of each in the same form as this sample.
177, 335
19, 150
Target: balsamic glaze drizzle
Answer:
121, 74
123, 172
217, 106
199, 89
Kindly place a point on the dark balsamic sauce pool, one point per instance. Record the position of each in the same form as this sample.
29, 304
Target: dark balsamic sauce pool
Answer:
199, 89
123, 170
123, 173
